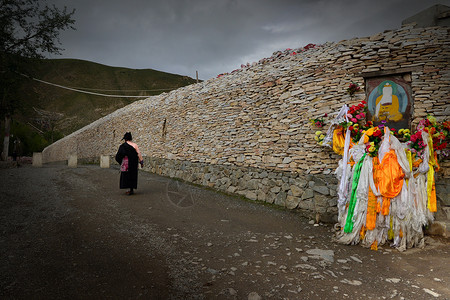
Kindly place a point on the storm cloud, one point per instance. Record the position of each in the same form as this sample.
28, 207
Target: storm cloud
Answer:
212, 36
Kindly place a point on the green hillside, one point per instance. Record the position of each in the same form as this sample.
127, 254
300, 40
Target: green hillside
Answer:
47, 110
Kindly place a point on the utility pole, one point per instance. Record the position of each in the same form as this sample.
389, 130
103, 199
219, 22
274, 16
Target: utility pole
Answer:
196, 74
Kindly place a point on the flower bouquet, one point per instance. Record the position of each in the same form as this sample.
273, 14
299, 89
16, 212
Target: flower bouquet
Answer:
319, 136
372, 140
353, 88
319, 122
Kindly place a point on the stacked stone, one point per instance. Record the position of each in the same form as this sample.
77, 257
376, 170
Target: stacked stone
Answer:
256, 120
312, 195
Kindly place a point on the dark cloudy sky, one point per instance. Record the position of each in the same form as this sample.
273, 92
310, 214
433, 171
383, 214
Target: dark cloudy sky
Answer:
217, 36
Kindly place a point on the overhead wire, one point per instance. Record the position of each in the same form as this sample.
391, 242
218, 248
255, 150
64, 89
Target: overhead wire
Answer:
91, 93
92, 89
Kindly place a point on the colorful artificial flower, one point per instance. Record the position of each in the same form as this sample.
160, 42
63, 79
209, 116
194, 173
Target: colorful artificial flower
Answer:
432, 120
319, 136
319, 122
353, 88
416, 144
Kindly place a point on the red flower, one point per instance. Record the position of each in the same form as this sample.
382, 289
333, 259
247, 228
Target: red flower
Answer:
377, 133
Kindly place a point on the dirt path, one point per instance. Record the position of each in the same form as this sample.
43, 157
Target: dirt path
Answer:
72, 234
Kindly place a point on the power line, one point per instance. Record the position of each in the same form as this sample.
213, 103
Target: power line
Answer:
91, 89
85, 92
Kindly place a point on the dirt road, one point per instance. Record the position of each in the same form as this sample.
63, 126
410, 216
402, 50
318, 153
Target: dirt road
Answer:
72, 234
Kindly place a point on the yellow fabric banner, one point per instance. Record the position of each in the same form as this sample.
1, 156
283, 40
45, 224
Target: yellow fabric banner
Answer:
338, 140
431, 188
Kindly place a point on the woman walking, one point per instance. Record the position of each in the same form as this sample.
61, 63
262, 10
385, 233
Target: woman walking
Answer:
128, 156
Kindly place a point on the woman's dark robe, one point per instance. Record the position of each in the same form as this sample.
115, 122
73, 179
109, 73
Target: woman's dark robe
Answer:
128, 179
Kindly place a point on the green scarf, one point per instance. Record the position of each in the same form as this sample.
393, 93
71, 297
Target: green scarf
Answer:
351, 207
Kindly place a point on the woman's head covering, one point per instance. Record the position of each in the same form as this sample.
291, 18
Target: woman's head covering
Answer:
127, 136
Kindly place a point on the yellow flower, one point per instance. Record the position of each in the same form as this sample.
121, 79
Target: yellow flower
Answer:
316, 138
432, 120
366, 139
400, 131
370, 131
321, 136
371, 149
406, 131
318, 132
372, 144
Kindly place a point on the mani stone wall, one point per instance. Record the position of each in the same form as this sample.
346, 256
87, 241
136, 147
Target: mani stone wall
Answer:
249, 133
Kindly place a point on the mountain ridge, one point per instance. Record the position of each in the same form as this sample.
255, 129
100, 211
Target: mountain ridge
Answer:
53, 112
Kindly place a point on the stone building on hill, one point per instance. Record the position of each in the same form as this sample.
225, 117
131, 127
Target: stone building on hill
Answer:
437, 15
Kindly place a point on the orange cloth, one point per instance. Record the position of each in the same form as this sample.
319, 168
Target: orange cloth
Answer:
389, 176
385, 206
378, 207
362, 233
417, 162
437, 166
432, 206
374, 246
371, 217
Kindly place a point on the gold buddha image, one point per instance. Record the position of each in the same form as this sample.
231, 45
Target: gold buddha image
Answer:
387, 105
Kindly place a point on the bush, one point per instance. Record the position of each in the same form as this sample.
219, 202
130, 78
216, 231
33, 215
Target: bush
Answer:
30, 140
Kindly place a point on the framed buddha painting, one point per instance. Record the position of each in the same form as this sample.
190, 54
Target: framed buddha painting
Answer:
389, 99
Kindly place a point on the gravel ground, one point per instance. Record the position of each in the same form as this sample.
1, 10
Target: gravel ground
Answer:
70, 233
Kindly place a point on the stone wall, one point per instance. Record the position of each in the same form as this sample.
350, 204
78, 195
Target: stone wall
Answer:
249, 133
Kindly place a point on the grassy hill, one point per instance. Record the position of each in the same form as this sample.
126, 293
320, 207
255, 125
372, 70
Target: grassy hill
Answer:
46, 110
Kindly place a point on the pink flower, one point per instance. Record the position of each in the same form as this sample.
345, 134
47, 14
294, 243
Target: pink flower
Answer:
354, 120
349, 116
363, 115
358, 117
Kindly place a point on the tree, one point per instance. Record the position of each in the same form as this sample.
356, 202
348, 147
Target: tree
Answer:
28, 29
